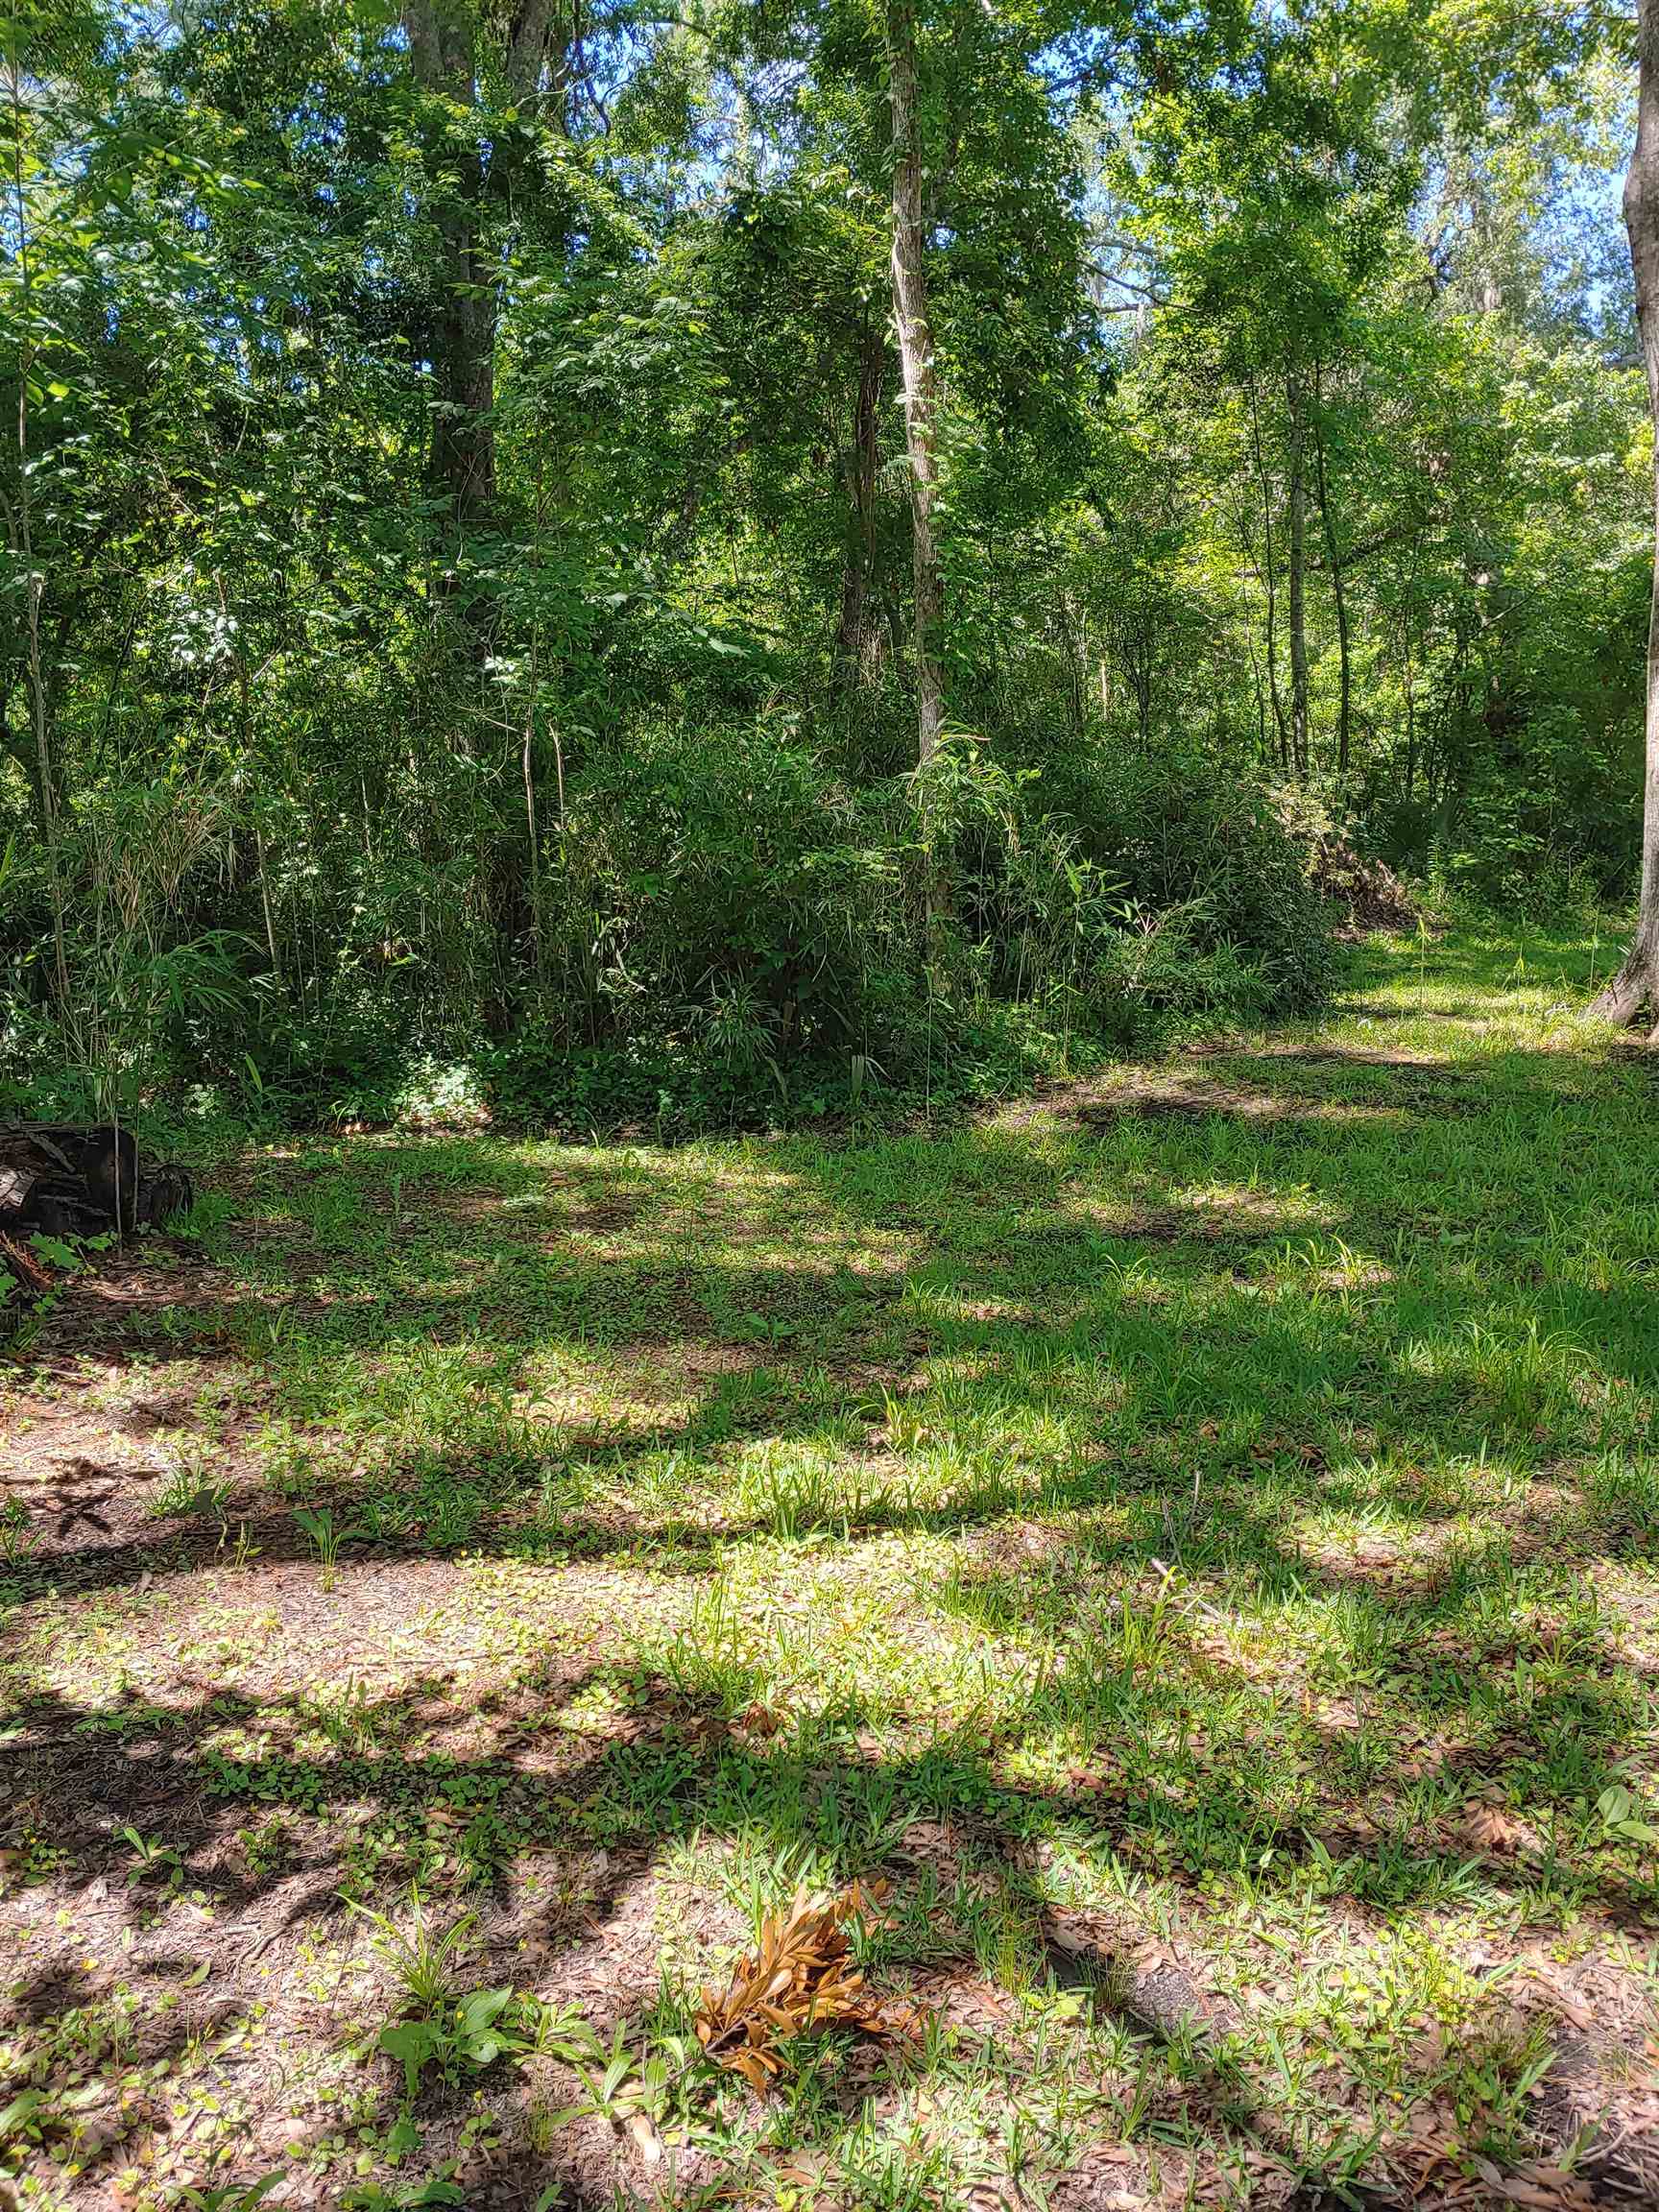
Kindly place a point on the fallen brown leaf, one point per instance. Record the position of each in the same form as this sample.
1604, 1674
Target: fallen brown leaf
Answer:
800, 1976
1499, 1831
646, 2136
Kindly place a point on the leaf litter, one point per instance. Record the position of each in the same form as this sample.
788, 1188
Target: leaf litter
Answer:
800, 1976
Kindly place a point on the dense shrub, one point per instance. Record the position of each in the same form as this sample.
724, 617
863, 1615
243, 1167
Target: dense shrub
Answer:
720, 885
739, 936
727, 927
1217, 917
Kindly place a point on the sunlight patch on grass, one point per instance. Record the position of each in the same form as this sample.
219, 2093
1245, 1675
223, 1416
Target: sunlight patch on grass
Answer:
1223, 1533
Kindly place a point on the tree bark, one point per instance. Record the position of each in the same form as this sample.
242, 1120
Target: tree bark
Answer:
462, 460
443, 42
1338, 594
21, 538
857, 637
1296, 563
1635, 989
525, 46
921, 375
1411, 728
1269, 584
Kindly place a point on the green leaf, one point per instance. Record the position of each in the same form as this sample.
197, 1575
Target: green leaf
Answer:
483, 2009
402, 2137
414, 2043
55, 1249
21, 2109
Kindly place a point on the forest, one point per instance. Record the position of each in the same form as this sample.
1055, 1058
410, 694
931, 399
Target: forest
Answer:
510, 592
829, 1174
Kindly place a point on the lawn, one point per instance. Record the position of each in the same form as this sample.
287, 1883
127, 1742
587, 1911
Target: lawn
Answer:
1193, 1538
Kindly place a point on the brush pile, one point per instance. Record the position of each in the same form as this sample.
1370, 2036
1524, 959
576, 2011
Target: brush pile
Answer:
1368, 891
62, 1183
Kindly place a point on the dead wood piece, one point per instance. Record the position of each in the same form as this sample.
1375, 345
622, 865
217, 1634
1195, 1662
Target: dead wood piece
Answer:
60, 1180
25, 1270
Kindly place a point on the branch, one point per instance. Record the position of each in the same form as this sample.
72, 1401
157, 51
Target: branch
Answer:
1127, 285
1383, 539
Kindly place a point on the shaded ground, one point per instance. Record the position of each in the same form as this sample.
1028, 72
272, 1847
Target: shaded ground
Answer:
1198, 1538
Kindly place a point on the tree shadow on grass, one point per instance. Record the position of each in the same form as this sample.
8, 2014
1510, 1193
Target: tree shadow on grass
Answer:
1183, 1418
821, 1796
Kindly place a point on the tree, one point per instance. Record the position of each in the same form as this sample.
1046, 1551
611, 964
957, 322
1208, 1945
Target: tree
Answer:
511, 491
1634, 990
445, 56
915, 334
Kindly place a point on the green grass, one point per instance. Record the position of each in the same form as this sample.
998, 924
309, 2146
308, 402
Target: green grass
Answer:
1198, 1538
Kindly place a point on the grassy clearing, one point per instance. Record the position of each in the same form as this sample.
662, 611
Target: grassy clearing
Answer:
1198, 1538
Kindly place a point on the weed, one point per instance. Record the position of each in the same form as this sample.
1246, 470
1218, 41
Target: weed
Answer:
465, 2035
229, 2195
20, 1534
326, 1538
191, 1490
421, 1960
153, 1857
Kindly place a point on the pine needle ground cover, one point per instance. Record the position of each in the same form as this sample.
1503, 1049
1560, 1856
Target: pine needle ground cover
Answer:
1186, 1550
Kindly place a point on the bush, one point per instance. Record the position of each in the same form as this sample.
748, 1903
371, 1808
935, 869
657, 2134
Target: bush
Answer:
1216, 916
741, 938
727, 930
720, 887
1497, 865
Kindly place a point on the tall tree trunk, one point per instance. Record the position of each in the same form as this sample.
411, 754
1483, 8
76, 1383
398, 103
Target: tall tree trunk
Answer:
21, 540
1270, 580
462, 462
858, 636
921, 376
525, 46
1338, 592
1635, 988
1296, 561
442, 52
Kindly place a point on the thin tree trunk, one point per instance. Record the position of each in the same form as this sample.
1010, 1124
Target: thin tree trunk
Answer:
532, 831
244, 734
1268, 576
21, 532
921, 377
1411, 728
1074, 642
1338, 592
1261, 696
1635, 988
1296, 558
264, 904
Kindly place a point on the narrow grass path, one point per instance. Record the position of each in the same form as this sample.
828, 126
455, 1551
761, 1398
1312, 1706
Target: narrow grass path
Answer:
1196, 1538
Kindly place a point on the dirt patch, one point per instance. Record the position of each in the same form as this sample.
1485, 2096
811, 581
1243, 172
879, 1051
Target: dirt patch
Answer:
1175, 1225
1359, 1056
1195, 1093
117, 1292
